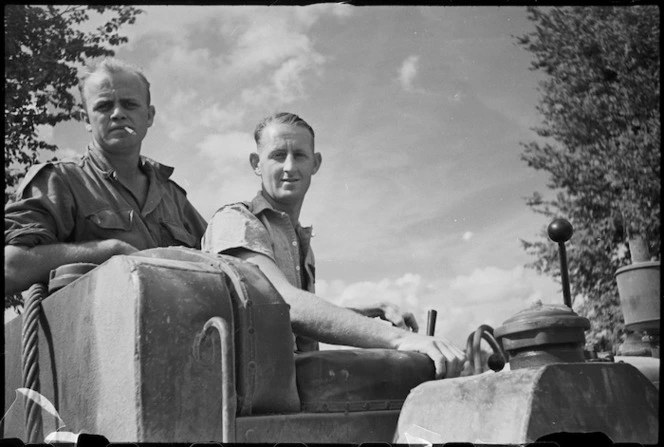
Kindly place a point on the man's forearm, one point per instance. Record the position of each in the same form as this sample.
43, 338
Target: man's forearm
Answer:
25, 266
316, 318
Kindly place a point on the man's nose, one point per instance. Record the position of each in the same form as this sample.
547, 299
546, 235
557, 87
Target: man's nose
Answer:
289, 162
118, 112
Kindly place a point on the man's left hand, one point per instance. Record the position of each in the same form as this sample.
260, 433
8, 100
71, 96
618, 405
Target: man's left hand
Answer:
390, 312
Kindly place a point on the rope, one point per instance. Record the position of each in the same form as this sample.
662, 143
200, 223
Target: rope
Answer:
30, 342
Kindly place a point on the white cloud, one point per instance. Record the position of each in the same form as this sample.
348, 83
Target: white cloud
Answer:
264, 44
286, 84
227, 176
403, 291
492, 284
408, 71
221, 117
264, 54
289, 78
485, 296
228, 151
467, 235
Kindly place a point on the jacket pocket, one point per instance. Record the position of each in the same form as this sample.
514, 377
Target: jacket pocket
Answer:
112, 219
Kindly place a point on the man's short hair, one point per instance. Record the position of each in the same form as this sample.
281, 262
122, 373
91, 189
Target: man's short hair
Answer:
290, 119
110, 65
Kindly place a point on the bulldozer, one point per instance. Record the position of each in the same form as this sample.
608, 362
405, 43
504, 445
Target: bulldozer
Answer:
176, 345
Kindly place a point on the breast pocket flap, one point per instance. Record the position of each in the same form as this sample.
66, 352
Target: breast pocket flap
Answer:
112, 219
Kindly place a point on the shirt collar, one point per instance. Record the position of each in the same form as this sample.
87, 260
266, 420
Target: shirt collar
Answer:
101, 164
259, 204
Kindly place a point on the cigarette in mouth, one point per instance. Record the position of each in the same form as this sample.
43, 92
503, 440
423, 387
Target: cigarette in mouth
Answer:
130, 130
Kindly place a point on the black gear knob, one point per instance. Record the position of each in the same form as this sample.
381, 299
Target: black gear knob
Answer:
496, 362
560, 230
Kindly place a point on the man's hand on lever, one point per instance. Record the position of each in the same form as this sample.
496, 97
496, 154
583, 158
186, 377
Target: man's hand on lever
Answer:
389, 312
447, 358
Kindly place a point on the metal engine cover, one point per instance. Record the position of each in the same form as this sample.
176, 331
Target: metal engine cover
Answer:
522, 406
116, 345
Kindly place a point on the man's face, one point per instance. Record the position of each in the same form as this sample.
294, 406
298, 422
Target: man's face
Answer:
115, 101
286, 161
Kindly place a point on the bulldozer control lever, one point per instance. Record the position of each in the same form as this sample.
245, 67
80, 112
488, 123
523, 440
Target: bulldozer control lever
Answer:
560, 231
431, 322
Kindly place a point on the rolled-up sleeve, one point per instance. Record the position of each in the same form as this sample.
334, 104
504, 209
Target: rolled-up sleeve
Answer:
42, 211
236, 227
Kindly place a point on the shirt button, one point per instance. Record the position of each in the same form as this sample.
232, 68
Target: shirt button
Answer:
294, 243
297, 268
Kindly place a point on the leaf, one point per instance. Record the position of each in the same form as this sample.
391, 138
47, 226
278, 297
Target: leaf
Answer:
42, 401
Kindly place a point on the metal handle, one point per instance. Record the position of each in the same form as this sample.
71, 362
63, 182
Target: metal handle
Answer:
560, 231
431, 322
228, 397
474, 353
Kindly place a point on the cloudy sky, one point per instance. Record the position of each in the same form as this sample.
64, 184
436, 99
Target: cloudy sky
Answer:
419, 113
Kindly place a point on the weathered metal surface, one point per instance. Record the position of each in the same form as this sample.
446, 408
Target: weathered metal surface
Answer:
359, 379
347, 428
516, 407
66, 274
115, 351
543, 334
648, 366
263, 333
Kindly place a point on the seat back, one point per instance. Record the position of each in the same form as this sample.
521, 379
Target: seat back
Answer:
265, 366
116, 349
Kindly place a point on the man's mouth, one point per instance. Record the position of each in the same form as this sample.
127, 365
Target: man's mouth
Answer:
126, 129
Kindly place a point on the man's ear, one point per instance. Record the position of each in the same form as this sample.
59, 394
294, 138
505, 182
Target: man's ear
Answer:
151, 113
81, 115
318, 160
254, 160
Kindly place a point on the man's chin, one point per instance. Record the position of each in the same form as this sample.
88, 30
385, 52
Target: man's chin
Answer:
288, 196
117, 146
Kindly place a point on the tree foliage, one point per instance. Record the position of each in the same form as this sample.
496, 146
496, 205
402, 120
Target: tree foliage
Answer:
43, 47
601, 126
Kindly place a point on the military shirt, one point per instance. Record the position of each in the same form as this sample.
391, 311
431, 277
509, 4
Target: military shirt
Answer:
256, 226
83, 201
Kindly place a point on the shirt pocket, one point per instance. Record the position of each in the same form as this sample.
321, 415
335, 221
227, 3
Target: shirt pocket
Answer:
112, 220
180, 235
